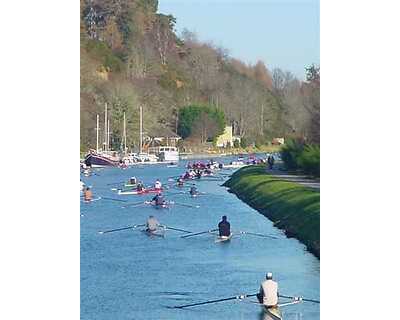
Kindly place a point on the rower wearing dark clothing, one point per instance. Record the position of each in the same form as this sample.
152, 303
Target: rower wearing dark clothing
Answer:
224, 228
271, 161
198, 174
158, 199
140, 186
193, 191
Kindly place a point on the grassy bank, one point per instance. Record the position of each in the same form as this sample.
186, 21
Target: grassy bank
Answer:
292, 207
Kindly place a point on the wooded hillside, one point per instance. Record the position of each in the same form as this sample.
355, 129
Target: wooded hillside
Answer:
131, 56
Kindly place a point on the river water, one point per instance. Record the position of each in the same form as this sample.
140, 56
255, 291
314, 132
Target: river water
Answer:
129, 275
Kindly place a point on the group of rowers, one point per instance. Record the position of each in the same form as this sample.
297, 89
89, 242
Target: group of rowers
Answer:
268, 294
133, 181
224, 227
201, 166
193, 174
159, 199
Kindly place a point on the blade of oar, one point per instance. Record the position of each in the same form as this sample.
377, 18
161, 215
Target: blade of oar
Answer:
120, 229
176, 229
113, 199
304, 299
198, 233
258, 234
186, 205
240, 297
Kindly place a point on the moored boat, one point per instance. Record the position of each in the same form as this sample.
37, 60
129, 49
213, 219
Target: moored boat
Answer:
94, 159
168, 153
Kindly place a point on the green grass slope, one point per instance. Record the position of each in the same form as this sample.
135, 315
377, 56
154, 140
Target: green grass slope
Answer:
292, 207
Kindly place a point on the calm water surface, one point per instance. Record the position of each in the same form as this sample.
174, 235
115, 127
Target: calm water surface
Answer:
129, 275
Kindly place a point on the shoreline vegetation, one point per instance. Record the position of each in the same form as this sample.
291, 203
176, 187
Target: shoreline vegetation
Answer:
132, 58
290, 206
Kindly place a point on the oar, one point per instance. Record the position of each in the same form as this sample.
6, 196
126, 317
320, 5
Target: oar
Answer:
133, 204
114, 183
113, 199
176, 193
240, 297
120, 229
258, 234
186, 205
176, 229
304, 299
199, 233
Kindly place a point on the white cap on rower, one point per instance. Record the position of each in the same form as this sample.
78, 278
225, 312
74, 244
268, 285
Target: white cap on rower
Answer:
269, 275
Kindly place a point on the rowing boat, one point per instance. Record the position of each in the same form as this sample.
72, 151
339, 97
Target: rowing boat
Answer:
165, 205
224, 238
160, 232
94, 199
272, 313
135, 192
130, 185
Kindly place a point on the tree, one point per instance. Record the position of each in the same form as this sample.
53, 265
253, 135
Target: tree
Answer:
312, 101
203, 122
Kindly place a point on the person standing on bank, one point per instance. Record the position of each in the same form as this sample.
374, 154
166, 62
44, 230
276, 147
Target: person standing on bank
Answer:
271, 161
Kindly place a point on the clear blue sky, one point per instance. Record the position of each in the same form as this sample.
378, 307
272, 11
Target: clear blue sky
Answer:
282, 33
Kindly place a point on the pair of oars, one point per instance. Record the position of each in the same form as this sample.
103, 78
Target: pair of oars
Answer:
179, 204
240, 297
137, 204
240, 232
142, 225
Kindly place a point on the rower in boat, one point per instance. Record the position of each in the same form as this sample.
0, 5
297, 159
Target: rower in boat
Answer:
132, 181
87, 194
268, 296
224, 228
180, 182
152, 224
157, 185
187, 176
193, 191
159, 200
198, 174
140, 187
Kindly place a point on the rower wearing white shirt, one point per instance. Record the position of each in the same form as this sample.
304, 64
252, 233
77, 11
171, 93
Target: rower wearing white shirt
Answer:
157, 184
152, 224
268, 295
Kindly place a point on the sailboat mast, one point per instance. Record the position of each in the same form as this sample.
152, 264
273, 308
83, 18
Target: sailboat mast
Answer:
140, 129
105, 129
125, 133
97, 134
108, 134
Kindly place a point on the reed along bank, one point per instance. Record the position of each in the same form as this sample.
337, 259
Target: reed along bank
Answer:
290, 206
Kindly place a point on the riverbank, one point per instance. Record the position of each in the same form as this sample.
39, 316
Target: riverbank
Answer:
292, 207
199, 153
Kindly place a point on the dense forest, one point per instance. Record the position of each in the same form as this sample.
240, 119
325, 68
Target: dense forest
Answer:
132, 56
